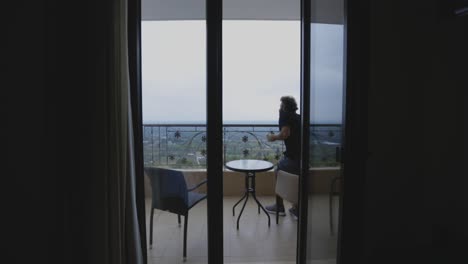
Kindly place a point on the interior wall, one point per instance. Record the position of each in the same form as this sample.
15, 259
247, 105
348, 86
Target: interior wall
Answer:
415, 207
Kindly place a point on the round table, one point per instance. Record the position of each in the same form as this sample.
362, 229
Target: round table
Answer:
249, 167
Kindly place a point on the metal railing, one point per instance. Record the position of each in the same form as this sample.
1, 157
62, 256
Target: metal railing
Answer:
184, 145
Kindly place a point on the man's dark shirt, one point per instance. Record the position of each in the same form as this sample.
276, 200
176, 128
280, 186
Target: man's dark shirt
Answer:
292, 143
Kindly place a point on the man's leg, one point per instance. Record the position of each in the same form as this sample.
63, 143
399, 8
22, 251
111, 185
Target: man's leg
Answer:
293, 211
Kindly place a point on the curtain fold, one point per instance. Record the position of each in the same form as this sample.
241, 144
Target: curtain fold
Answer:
124, 235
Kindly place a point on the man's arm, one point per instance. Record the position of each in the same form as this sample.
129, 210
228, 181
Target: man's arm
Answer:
282, 135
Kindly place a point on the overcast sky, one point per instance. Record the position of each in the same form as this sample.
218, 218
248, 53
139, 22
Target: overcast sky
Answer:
261, 62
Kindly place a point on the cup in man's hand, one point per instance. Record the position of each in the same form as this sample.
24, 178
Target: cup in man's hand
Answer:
270, 137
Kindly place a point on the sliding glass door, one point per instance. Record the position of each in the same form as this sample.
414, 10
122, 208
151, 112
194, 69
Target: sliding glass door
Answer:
213, 74
322, 177
261, 63
174, 88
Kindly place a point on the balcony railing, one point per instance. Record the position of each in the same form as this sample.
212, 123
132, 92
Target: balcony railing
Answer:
184, 145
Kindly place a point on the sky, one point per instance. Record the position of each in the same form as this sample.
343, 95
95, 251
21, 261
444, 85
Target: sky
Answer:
261, 63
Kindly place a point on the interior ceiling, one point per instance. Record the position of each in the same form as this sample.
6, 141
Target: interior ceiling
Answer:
323, 11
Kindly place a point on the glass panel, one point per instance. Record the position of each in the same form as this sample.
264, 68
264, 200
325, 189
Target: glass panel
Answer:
174, 118
261, 63
326, 101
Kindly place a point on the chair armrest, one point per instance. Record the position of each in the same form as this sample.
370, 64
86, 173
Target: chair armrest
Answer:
196, 186
287, 186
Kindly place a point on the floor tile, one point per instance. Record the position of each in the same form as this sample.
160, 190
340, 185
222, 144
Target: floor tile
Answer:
253, 243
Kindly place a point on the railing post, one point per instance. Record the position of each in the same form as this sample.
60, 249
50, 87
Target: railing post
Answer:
167, 147
159, 144
152, 145
224, 144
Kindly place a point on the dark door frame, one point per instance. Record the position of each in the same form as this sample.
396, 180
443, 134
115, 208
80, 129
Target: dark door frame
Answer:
354, 144
214, 130
301, 250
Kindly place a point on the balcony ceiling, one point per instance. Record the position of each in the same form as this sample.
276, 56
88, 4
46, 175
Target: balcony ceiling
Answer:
324, 11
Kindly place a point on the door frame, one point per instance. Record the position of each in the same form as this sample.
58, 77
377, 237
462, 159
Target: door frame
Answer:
356, 78
214, 130
350, 235
301, 249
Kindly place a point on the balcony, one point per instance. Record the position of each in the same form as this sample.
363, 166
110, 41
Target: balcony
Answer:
183, 146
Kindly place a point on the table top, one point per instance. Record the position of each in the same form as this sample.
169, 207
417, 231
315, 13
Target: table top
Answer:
248, 165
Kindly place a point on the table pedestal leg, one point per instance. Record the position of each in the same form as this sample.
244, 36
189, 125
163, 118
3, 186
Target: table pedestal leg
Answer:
234, 207
260, 206
250, 189
242, 210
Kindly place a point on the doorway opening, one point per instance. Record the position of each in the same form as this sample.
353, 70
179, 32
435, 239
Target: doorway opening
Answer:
261, 63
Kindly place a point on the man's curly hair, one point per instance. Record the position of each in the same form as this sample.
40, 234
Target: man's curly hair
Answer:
289, 104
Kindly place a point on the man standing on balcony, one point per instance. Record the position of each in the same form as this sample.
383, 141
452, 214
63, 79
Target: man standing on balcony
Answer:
289, 126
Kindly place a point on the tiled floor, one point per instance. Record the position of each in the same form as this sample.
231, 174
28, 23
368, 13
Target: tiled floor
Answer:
253, 243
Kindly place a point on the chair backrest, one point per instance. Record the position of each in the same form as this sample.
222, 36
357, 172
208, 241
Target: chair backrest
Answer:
169, 189
287, 185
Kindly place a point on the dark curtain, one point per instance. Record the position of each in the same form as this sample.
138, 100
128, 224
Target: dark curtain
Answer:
71, 190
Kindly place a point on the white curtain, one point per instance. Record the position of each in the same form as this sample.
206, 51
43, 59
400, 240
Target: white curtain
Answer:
124, 236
